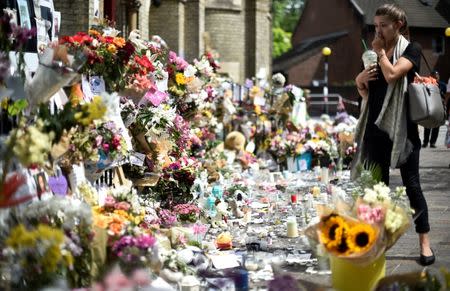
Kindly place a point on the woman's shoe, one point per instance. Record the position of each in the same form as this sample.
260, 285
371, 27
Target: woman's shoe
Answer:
427, 260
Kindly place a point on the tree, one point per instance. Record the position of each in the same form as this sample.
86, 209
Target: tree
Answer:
285, 15
281, 41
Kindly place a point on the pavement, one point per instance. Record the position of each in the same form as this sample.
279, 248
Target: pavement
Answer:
435, 180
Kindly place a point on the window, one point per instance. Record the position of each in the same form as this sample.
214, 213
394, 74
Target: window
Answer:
438, 45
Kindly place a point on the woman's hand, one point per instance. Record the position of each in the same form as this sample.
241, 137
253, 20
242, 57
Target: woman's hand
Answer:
363, 78
378, 43
366, 75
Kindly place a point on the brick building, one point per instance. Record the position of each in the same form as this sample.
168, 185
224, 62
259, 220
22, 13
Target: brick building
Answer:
342, 25
239, 30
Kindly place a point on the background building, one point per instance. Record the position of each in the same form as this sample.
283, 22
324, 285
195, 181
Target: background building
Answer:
342, 25
238, 30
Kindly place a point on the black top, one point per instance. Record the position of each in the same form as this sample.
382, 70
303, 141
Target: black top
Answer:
377, 92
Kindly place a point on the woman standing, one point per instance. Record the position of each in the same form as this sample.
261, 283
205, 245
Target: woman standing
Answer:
385, 132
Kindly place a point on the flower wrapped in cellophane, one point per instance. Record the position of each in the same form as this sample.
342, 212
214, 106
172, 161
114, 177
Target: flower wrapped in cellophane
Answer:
363, 231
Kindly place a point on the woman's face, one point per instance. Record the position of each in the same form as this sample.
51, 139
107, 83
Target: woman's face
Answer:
385, 28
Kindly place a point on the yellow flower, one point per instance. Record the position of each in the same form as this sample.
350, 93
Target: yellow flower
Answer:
257, 109
332, 231
180, 79
321, 134
94, 110
112, 48
298, 148
119, 41
361, 237
207, 113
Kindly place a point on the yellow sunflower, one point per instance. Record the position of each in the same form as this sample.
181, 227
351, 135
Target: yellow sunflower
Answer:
332, 231
361, 237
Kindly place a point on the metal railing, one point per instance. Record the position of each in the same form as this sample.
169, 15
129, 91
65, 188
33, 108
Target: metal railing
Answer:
320, 104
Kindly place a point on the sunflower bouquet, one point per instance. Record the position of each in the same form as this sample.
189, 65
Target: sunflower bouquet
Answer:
364, 230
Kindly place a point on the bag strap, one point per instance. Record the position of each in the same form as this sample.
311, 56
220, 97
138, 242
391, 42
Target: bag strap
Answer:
426, 62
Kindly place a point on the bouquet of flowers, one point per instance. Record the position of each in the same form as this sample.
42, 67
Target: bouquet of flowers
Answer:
107, 55
187, 212
12, 38
323, 150
167, 217
363, 231
176, 181
134, 252
121, 208
75, 219
109, 141
349, 155
36, 256
30, 144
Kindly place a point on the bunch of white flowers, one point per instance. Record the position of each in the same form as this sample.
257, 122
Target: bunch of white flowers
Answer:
65, 212
393, 221
379, 193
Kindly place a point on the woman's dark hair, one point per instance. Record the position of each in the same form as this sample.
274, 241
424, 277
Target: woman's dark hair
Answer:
395, 13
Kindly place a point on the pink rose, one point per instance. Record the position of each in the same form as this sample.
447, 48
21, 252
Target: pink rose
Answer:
109, 201
122, 205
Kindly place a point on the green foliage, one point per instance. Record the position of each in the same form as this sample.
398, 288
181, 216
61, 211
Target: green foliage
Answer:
58, 122
281, 41
17, 107
371, 174
285, 15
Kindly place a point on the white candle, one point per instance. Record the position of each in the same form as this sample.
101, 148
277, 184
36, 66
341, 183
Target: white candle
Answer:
292, 228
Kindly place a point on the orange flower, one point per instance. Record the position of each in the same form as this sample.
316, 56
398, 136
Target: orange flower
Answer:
94, 32
119, 42
116, 228
102, 221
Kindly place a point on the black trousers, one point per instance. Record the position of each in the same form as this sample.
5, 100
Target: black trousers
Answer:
434, 135
379, 151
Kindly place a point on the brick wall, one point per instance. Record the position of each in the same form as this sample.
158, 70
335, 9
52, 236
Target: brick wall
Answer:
194, 29
263, 27
227, 30
75, 15
167, 21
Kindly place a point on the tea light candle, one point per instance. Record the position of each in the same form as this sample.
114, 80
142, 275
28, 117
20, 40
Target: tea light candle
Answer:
292, 228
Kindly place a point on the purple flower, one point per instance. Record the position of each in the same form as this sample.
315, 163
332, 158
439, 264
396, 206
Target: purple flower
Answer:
248, 83
167, 218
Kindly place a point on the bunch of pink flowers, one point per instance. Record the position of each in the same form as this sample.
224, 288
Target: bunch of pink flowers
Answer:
187, 212
131, 249
369, 214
